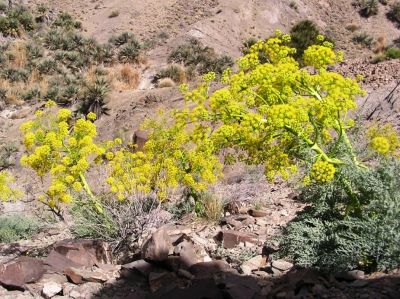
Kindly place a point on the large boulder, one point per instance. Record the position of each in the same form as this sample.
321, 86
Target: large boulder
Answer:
15, 274
85, 252
232, 238
157, 247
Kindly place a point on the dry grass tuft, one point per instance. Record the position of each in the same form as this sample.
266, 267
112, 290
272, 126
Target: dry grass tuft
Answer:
166, 82
213, 207
124, 76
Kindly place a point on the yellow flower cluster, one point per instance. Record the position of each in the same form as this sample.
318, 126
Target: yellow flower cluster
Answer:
6, 192
384, 140
321, 56
171, 157
62, 151
271, 111
323, 172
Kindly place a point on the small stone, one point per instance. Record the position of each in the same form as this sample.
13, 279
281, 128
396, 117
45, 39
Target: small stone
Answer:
50, 289
350, 275
281, 265
231, 238
253, 264
257, 213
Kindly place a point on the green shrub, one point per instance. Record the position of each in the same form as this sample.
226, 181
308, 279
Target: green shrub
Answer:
33, 51
121, 39
394, 12
130, 52
304, 34
6, 155
367, 8
175, 72
16, 19
202, 59
18, 227
66, 21
364, 39
95, 97
393, 53
15, 74
48, 66
322, 238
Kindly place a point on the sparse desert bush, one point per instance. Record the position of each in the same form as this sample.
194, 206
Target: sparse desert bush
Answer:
364, 39
95, 97
380, 45
175, 72
6, 156
129, 53
165, 82
15, 20
203, 59
352, 27
367, 8
122, 223
394, 12
121, 39
18, 227
66, 21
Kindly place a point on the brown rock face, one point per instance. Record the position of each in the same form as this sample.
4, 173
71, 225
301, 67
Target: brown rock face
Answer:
59, 262
85, 252
157, 247
231, 238
78, 276
23, 270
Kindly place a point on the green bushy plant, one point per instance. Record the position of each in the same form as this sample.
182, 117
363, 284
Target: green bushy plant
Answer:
175, 72
304, 34
367, 8
364, 39
6, 156
130, 51
321, 237
202, 59
15, 20
393, 53
66, 21
17, 227
95, 97
394, 12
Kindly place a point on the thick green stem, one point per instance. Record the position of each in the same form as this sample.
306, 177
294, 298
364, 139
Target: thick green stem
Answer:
94, 200
354, 203
86, 185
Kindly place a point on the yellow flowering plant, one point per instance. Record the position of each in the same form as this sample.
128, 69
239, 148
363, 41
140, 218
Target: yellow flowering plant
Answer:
63, 149
172, 157
6, 192
276, 113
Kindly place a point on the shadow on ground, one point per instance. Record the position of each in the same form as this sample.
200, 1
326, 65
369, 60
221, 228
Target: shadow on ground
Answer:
297, 283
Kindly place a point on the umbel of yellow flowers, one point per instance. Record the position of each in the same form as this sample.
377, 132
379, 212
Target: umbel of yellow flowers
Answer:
63, 151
